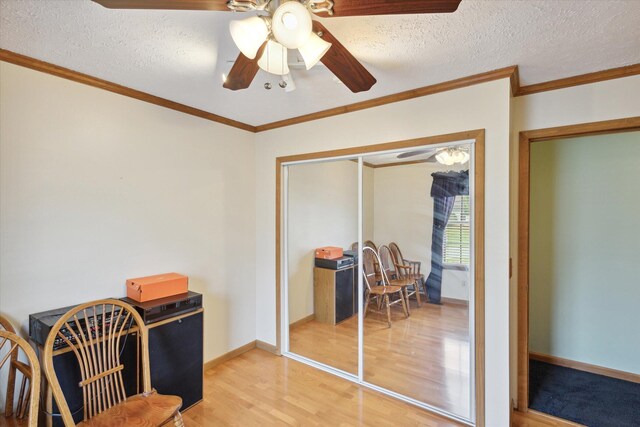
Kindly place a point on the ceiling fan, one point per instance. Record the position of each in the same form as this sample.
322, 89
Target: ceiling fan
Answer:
264, 40
447, 156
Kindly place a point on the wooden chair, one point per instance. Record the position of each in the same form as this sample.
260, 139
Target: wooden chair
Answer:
375, 260
26, 410
388, 266
94, 331
408, 269
380, 293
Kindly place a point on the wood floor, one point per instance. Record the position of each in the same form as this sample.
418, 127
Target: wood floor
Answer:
260, 389
425, 357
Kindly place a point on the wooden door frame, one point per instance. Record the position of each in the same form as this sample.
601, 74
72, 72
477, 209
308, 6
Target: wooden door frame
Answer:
478, 136
526, 139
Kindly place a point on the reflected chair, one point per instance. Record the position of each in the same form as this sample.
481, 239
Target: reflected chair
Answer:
380, 292
394, 278
376, 265
26, 409
408, 269
94, 332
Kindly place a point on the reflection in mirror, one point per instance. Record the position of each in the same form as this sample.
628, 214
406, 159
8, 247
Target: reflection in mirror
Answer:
419, 225
322, 211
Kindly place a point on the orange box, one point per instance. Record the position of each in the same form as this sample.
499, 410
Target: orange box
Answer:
148, 288
329, 252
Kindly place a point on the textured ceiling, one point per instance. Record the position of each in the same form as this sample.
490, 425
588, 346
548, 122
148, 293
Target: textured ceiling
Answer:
181, 55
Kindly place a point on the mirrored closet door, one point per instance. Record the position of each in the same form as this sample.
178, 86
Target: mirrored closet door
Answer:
417, 257
380, 277
322, 212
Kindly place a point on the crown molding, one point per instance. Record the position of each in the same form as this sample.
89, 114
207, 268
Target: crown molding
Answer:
512, 73
501, 73
65, 73
583, 79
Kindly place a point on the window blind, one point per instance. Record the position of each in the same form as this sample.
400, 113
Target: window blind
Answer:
457, 234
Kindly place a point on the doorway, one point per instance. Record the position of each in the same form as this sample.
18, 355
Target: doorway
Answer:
422, 343
571, 283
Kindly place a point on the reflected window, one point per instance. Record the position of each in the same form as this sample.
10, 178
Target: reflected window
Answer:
457, 236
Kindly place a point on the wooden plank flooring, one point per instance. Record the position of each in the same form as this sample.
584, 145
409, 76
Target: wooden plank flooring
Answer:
425, 357
260, 389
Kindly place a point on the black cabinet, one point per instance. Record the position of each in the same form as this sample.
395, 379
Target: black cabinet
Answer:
175, 357
335, 296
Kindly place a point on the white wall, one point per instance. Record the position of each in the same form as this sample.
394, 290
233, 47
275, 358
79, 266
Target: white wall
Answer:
96, 188
404, 214
484, 106
585, 220
608, 100
323, 211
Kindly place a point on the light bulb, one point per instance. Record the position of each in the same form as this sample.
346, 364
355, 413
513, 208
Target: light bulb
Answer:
290, 21
291, 24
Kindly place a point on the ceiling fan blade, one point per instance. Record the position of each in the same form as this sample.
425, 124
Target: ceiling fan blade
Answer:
412, 153
390, 7
343, 64
220, 5
243, 72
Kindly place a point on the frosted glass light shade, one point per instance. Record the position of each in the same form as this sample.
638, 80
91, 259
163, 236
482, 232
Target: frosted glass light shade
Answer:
313, 50
274, 59
291, 24
451, 156
249, 34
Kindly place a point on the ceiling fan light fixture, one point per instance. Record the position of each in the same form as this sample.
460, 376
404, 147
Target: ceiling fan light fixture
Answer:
274, 59
291, 24
249, 34
313, 50
451, 156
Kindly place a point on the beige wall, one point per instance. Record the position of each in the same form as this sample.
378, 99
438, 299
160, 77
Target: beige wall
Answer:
608, 100
96, 188
85, 177
484, 106
584, 222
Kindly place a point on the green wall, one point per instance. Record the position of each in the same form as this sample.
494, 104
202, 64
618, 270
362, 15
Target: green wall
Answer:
585, 250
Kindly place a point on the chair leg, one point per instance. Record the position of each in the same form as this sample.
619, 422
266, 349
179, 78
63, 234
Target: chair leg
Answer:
417, 286
366, 304
405, 306
177, 419
406, 298
386, 300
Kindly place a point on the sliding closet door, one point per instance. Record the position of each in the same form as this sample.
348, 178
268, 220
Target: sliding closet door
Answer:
417, 219
322, 299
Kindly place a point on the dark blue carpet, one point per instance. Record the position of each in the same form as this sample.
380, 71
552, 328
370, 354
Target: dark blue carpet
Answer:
582, 397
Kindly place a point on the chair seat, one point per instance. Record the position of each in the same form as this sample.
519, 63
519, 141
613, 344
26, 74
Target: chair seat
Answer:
402, 282
141, 411
382, 290
13, 422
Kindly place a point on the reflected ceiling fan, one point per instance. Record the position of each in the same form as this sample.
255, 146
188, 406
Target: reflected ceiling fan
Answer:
264, 40
447, 156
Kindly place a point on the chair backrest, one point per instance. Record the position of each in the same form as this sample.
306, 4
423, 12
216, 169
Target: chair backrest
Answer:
397, 254
370, 244
28, 396
354, 246
387, 261
398, 259
369, 257
94, 331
